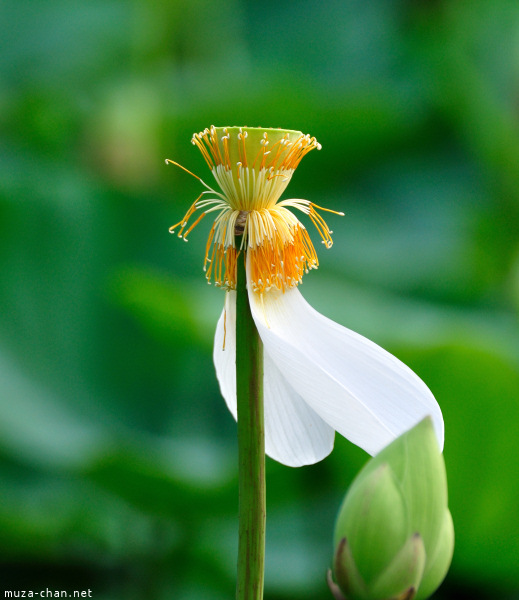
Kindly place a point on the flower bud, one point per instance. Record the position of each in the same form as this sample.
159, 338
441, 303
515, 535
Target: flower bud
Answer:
394, 536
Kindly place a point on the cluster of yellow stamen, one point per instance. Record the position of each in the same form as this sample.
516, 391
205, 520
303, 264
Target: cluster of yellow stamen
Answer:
279, 247
284, 154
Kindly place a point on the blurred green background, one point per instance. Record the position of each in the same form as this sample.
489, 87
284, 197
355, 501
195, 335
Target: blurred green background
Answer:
117, 454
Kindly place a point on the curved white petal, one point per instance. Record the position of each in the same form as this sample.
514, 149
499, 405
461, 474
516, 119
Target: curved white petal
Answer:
294, 434
359, 389
224, 352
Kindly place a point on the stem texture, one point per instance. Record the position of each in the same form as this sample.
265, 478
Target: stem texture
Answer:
251, 446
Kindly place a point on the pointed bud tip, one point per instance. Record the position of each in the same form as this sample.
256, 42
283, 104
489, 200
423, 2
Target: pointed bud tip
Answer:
334, 588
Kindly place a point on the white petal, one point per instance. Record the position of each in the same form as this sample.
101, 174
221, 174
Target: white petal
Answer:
294, 434
224, 352
359, 389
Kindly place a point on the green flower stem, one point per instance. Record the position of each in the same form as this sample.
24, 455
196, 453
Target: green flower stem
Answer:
251, 446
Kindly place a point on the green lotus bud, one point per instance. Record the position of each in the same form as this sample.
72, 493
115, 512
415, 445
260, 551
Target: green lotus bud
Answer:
394, 536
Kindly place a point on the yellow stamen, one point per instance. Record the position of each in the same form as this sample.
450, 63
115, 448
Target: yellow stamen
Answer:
187, 216
194, 225
262, 151
321, 226
279, 248
335, 212
242, 148
183, 168
225, 142
224, 327
281, 146
197, 140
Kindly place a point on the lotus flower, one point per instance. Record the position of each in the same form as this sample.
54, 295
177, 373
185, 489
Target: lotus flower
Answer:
319, 377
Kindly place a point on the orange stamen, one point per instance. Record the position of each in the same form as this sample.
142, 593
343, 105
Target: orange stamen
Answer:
183, 168
194, 225
280, 249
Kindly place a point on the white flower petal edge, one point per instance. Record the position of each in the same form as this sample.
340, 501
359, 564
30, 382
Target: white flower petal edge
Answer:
359, 389
294, 434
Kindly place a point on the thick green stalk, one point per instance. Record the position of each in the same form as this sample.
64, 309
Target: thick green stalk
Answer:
251, 447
